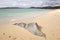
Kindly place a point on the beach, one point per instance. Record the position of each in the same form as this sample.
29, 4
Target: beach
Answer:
48, 20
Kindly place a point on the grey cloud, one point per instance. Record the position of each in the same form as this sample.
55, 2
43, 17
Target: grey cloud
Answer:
29, 3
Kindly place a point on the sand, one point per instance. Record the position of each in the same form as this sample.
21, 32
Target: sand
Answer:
50, 23
12, 32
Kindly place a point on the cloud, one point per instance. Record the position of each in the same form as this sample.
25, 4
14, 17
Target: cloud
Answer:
28, 3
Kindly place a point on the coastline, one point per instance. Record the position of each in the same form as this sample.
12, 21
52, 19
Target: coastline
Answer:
50, 23
22, 18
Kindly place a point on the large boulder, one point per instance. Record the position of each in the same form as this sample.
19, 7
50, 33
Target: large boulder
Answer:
34, 28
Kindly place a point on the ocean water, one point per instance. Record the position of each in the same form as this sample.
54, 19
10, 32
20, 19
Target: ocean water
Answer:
6, 15
16, 12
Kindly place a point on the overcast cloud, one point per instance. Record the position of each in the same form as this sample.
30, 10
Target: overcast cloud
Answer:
29, 3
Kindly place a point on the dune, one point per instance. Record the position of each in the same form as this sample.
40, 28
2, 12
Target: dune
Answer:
12, 32
50, 23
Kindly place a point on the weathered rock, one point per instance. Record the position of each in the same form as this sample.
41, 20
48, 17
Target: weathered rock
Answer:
33, 28
21, 24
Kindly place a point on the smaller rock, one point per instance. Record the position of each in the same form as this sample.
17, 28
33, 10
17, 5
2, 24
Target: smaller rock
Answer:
21, 24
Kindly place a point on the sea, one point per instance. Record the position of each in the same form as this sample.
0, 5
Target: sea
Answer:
7, 15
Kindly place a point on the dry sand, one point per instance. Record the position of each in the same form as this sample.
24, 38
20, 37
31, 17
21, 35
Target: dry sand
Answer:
50, 24
12, 32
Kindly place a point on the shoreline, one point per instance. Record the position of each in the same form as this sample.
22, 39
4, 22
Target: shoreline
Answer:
28, 15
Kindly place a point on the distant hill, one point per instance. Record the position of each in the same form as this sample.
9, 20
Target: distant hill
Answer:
10, 8
48, 7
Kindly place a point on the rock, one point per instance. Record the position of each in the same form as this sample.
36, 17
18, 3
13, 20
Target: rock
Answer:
33, 28
21, 24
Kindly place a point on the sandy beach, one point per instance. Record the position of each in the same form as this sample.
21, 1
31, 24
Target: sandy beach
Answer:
50, 23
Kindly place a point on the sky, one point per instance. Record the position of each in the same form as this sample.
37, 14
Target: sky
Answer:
28, 3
